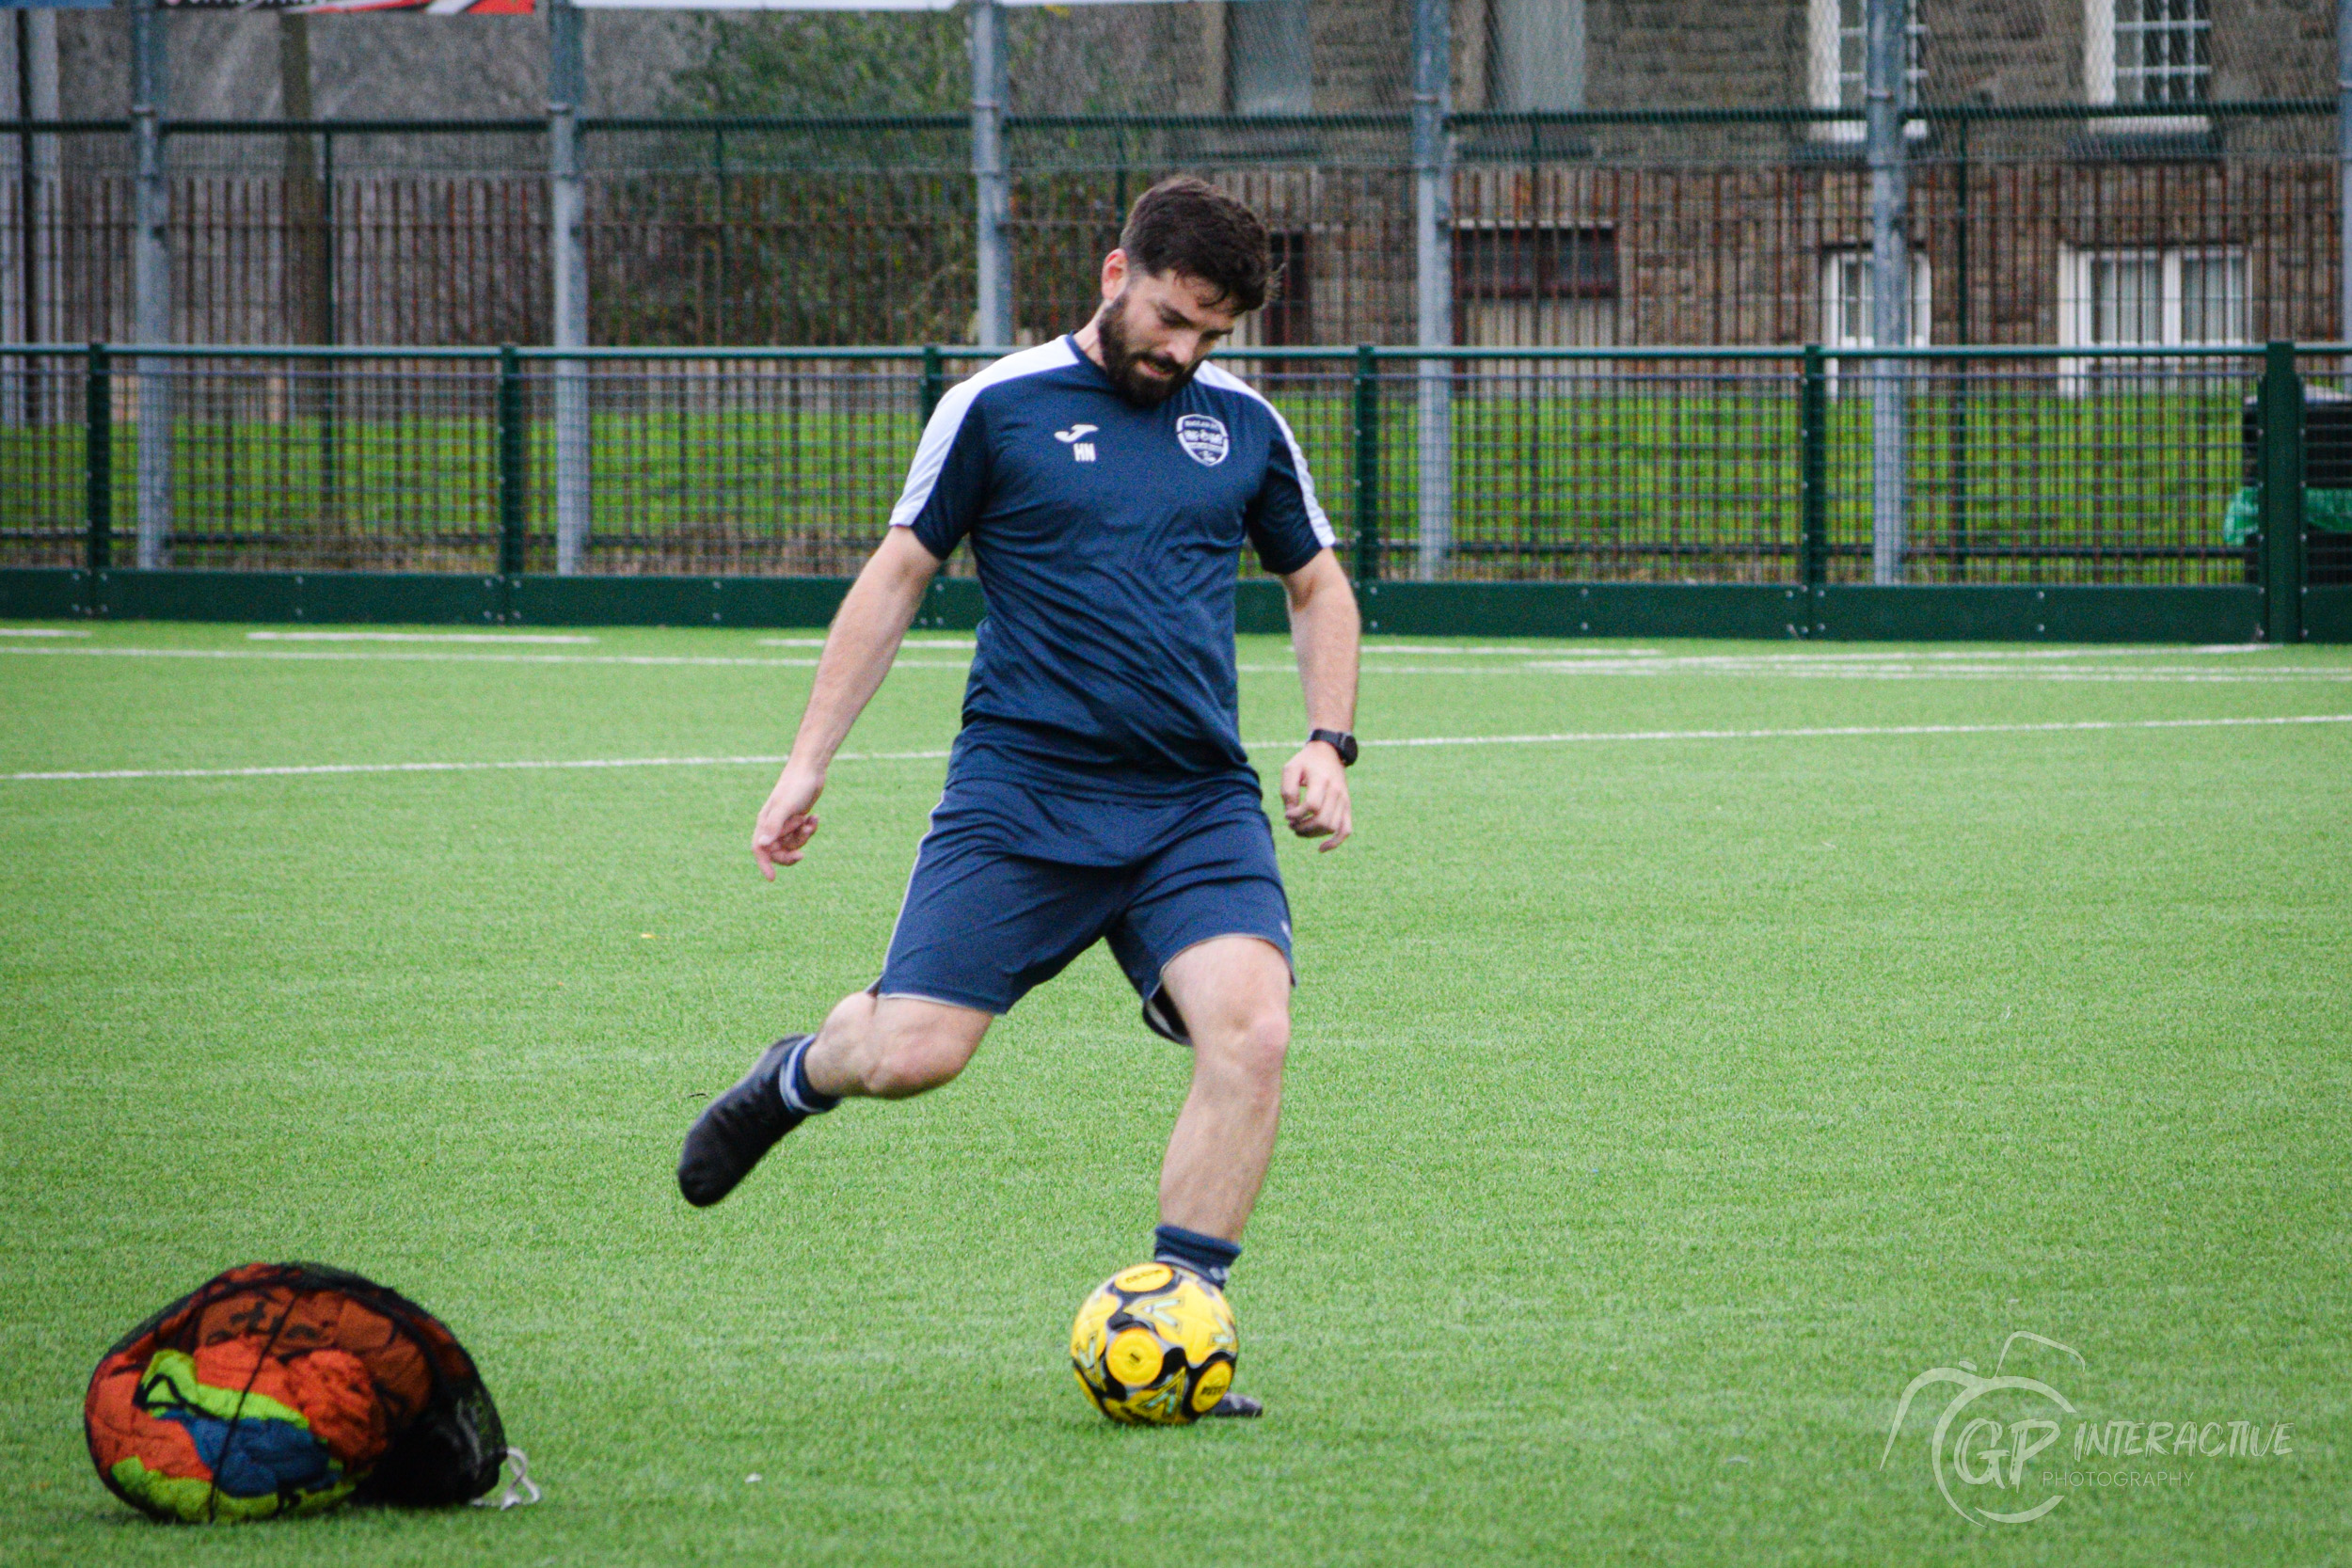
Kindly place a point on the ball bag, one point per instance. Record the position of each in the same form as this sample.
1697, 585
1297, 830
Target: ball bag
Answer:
289, 1388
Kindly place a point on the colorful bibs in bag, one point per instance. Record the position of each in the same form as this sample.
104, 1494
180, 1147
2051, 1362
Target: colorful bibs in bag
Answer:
288, 1388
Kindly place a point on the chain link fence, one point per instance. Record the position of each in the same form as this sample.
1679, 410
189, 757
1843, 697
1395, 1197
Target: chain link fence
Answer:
1615, 230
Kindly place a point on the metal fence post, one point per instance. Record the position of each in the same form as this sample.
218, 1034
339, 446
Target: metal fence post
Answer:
97, 458
567, 250
31, 37
331, 389
2343, 171
512, 454
1367, 465
1886, 55
1962, 369
1433, 272
1962, 325
934, 380
150, 281
2282, 494
726, 219
1813, 425
992, 186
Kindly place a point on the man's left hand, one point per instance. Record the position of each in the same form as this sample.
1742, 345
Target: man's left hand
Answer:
1315, 795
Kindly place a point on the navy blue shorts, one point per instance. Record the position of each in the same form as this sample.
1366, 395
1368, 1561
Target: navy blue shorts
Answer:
987, 918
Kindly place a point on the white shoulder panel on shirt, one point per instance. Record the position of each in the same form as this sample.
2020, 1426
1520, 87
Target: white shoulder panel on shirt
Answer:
930, 453
1225, 381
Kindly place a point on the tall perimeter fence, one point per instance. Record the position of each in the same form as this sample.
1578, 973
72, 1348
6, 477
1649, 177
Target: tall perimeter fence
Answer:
2065, 222
2044, 469
568, 360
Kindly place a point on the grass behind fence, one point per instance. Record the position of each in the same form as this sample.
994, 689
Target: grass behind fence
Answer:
1668, 474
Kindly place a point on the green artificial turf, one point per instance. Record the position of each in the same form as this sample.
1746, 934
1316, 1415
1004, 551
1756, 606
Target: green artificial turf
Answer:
1659, 1107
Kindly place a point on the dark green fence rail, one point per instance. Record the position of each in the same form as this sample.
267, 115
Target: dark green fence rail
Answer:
1776, 470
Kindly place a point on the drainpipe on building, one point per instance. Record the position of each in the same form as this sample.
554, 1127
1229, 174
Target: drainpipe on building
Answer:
1884, 45
1433, 248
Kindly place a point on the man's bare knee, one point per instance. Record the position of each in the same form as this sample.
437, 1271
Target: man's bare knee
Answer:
912, 1060
1250, 1048
852, 1015
1235, 995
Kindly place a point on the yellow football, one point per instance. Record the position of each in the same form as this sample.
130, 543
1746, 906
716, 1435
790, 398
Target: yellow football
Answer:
1154, 1345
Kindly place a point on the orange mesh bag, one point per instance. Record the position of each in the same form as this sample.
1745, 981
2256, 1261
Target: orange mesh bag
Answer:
289, 1388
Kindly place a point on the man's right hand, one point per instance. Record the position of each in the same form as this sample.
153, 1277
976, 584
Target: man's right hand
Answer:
864, 638
785, 824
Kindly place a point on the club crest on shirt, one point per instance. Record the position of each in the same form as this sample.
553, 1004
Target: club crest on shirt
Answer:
1203, 438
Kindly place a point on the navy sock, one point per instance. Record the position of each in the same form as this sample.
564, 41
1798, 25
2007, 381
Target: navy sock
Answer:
1210, 1257
793, 1084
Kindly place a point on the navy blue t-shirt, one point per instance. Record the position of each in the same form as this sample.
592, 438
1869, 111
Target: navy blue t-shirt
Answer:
1108, 539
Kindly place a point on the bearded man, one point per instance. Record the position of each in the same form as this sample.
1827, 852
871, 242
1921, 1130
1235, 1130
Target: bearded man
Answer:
1098, 790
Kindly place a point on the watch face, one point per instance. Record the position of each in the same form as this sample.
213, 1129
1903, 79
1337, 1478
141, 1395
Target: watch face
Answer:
1339, 741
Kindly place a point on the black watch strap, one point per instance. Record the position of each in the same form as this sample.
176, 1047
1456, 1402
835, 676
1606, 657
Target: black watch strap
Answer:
1339, 740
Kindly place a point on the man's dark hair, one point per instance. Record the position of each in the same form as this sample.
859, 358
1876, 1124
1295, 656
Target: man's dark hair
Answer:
1187, 225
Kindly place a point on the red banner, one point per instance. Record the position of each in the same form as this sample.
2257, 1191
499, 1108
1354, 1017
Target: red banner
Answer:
431, 7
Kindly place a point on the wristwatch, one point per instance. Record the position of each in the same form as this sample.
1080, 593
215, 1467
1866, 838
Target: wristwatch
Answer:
1339, 740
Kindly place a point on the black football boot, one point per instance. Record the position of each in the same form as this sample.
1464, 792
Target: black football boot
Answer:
736, 1129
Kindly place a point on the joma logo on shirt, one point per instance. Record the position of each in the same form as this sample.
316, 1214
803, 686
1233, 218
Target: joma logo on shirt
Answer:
1203, 439
1080, 452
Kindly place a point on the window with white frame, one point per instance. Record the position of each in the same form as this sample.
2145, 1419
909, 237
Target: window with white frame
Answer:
1839, 58
1848, 299
2153, 298
2147, 298
2154, 51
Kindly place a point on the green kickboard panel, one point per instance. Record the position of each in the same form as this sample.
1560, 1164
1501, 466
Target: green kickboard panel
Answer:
2222, 613
2078, 613
1582, 610
2327, 615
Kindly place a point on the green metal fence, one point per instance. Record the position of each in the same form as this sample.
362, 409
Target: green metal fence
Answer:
2036, 465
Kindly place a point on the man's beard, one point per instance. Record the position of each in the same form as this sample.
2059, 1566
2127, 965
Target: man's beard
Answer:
1120, 362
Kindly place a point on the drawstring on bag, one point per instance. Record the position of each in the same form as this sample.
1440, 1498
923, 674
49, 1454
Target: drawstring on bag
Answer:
520, 1491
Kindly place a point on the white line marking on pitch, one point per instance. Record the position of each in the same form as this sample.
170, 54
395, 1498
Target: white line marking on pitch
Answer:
1374, 646
2160, 673
338, 657
409, 636
965, 643
2058, 727
324, 769
1849, 666
1570, 737
1819, 654
41, 631
1654, 668
1379, 647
